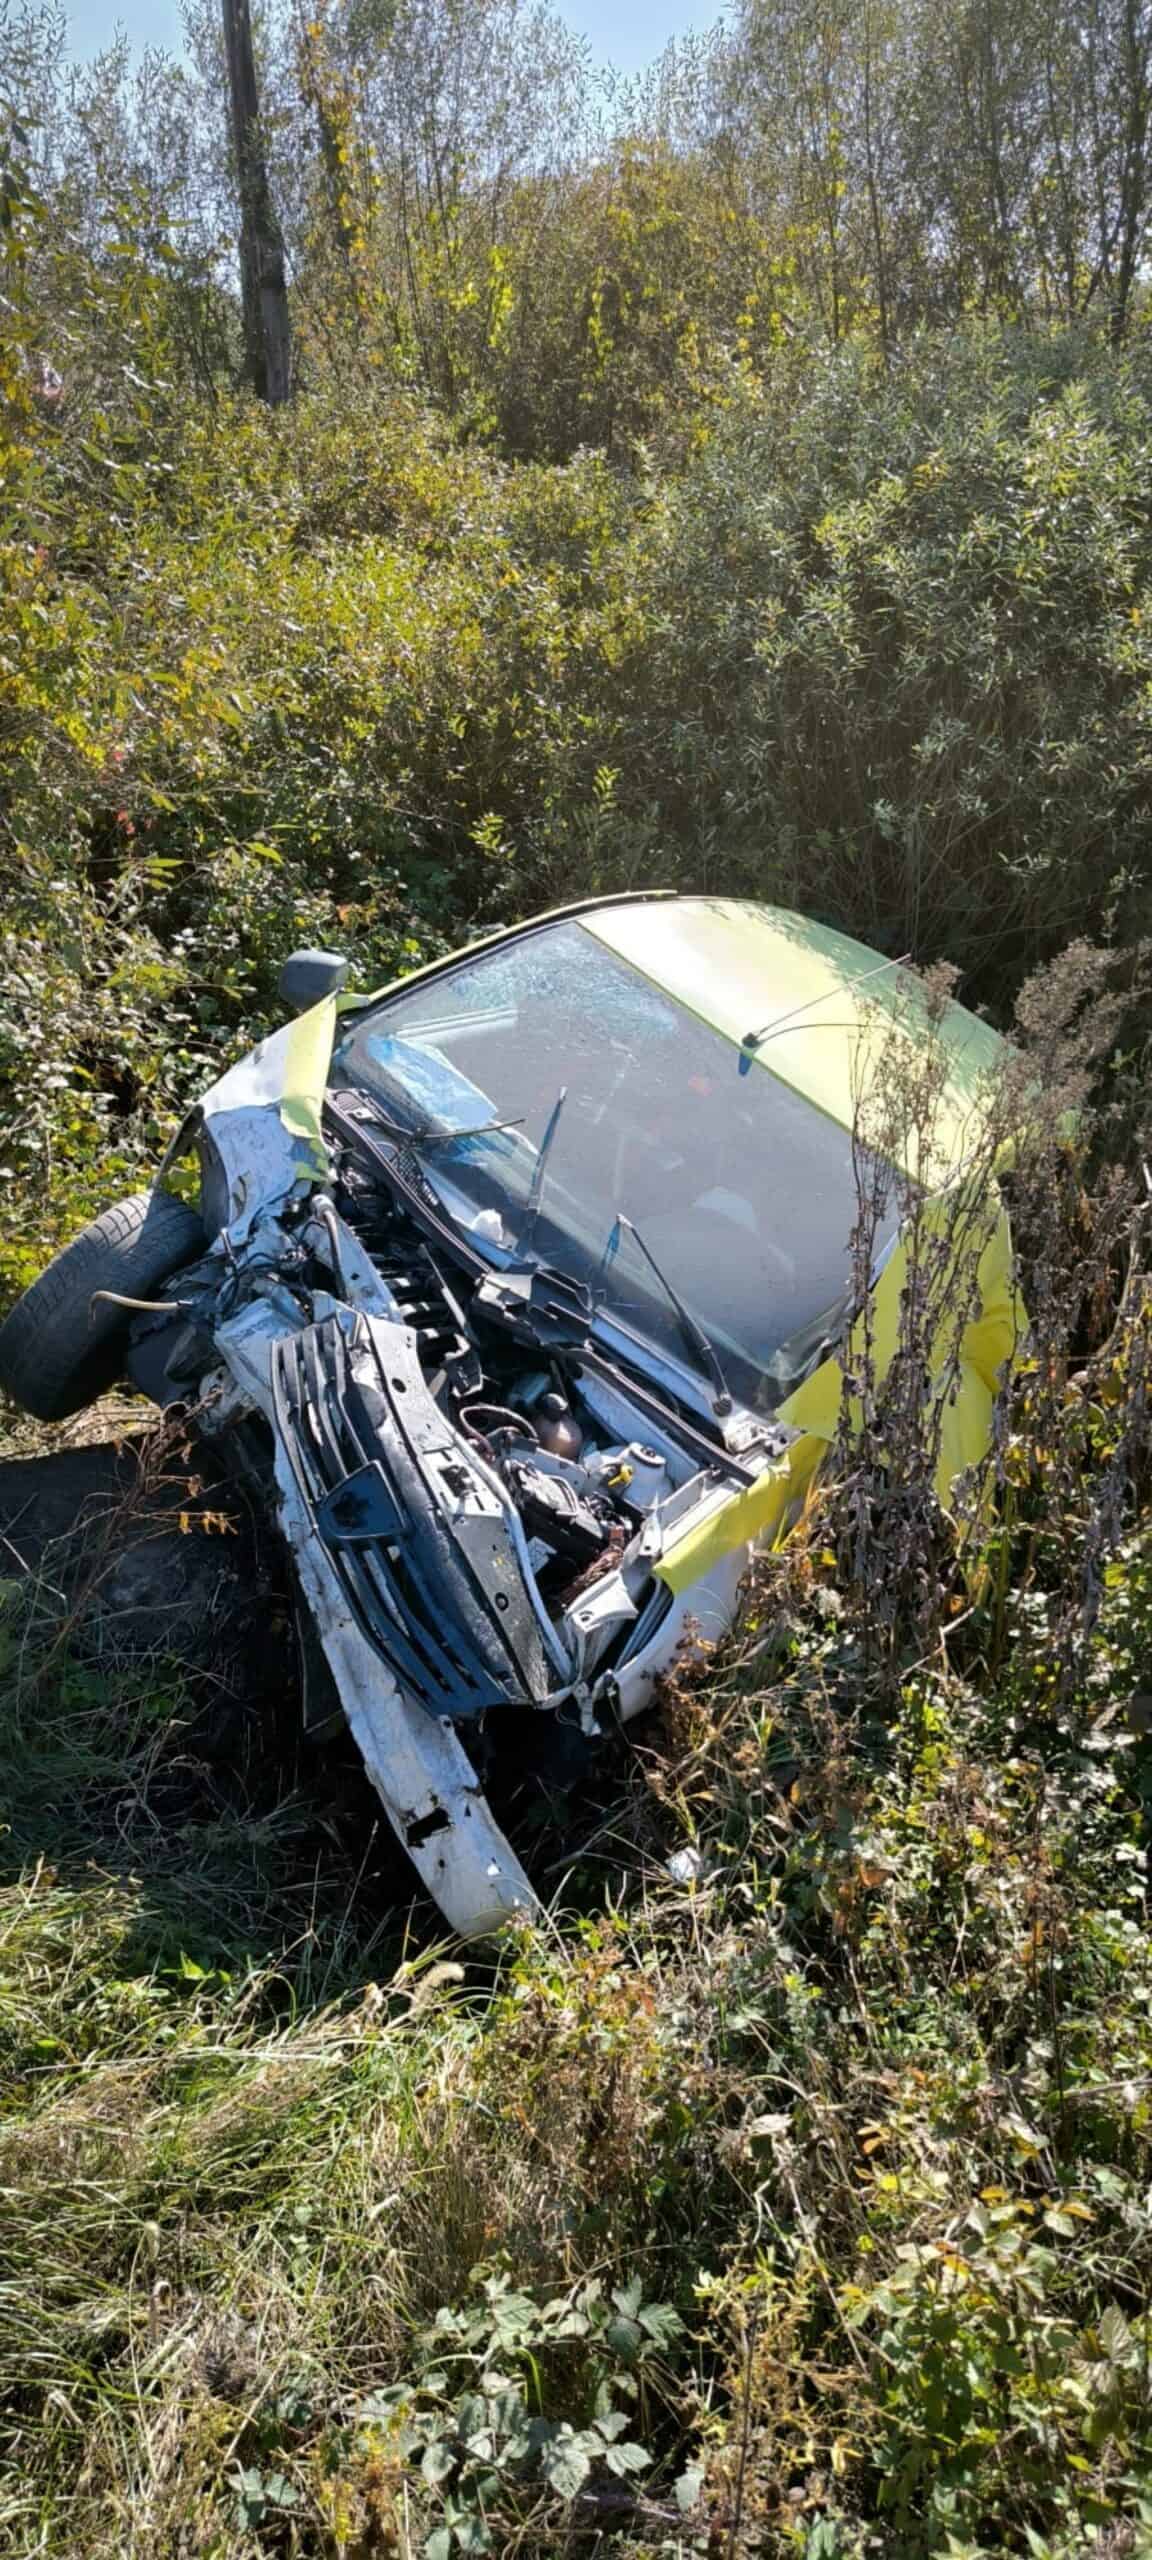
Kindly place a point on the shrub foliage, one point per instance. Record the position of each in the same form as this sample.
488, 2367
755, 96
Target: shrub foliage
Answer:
745, 488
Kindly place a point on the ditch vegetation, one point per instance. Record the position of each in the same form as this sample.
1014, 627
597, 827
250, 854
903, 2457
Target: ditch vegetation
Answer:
794, 2198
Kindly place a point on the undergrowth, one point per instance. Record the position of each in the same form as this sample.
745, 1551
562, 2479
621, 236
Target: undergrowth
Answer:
879, 650
802, 2207
789, 2198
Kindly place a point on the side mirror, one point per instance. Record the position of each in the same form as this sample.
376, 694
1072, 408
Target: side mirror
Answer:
306, 976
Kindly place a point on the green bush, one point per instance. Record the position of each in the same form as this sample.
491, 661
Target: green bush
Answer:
890, 652
879, 649
802, 2210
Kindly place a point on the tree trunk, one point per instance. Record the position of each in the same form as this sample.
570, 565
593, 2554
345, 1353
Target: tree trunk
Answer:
264, 292
1133, 208
879, 245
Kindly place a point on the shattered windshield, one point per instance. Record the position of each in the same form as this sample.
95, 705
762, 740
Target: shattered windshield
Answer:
613, 1099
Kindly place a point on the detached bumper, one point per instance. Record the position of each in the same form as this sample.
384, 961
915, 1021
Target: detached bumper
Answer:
420, 1770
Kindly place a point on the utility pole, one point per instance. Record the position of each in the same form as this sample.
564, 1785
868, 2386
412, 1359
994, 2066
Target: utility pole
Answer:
264, 291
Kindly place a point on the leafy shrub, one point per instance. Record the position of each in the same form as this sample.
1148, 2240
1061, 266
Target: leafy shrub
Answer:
878, 649
828, 2171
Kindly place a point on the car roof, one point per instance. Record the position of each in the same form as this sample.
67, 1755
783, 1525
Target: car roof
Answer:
812, 1006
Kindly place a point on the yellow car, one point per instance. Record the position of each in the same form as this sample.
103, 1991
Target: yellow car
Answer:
518, 1288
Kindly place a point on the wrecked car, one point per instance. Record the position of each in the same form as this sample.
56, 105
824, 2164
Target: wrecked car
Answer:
517, 1288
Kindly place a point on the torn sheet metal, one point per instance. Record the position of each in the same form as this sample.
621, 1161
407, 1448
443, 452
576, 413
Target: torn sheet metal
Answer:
420, 1770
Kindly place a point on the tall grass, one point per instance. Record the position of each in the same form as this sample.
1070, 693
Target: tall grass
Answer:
801, 2207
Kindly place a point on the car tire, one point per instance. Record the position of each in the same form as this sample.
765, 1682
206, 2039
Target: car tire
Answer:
57, 1351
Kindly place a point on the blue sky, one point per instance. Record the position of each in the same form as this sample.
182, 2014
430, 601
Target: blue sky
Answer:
627, 33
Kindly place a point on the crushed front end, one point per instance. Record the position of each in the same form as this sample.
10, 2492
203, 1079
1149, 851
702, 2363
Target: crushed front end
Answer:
476, 1495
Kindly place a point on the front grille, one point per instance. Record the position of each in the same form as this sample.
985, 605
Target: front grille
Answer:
434, 1638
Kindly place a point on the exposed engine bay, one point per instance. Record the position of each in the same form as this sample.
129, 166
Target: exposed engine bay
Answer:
474, 1495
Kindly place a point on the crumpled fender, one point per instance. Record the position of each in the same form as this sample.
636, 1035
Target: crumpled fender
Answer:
265, 1115
263, 1119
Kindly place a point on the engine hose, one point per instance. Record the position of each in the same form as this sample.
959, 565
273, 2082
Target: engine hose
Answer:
138, 1306
481, 1420
324, 1211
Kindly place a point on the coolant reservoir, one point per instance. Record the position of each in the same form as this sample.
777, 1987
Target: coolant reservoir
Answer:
636, 1473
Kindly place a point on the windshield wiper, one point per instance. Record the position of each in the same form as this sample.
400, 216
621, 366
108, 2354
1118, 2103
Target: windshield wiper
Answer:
532, 1203
482, 1129
426, 1134
693, 1333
